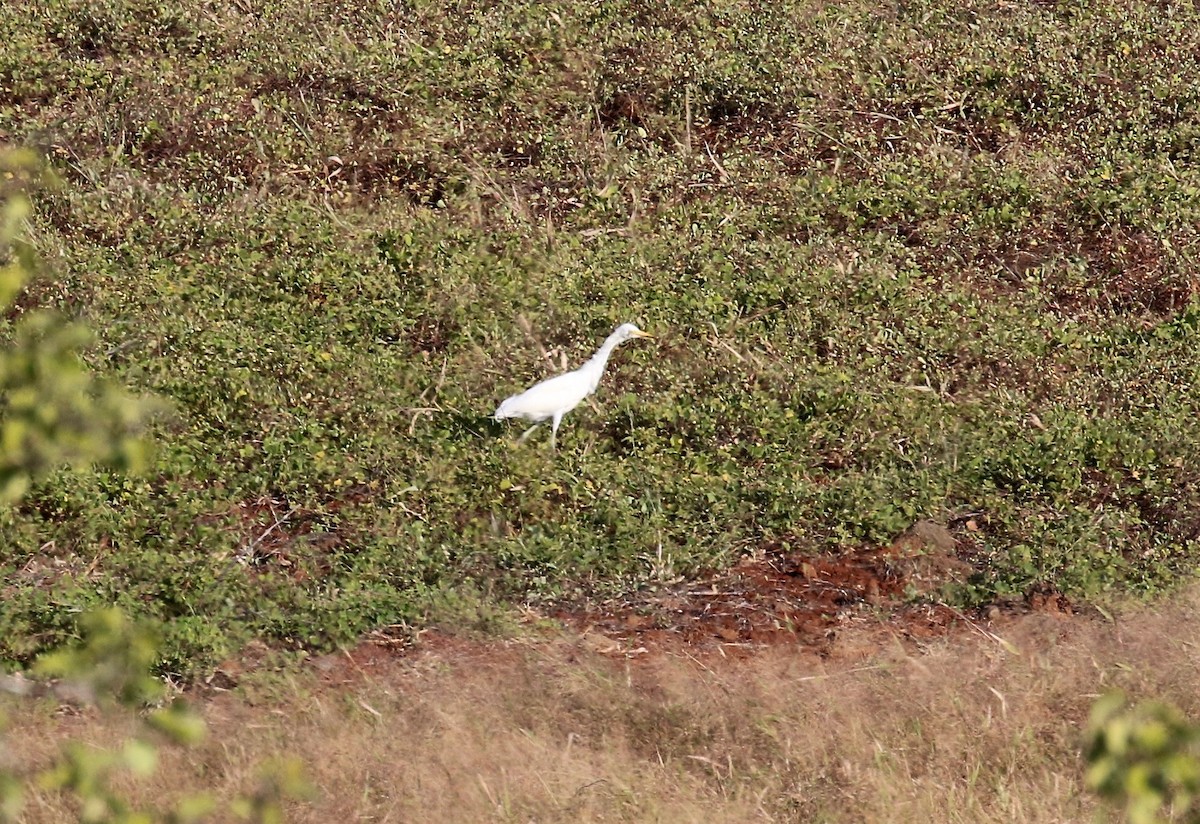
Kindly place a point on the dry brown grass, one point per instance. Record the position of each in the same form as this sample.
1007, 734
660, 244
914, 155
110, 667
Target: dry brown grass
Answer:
961, 730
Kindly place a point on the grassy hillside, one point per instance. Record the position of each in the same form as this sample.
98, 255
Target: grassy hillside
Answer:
928, 260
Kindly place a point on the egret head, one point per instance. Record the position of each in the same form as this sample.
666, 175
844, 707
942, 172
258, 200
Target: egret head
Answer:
628, 330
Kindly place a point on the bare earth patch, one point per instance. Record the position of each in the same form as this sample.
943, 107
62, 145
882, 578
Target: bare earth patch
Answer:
834, 605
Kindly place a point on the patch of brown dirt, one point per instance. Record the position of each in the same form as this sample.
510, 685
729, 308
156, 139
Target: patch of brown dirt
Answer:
788, 597
837, 607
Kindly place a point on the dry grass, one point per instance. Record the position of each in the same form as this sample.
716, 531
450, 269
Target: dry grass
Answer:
961, 730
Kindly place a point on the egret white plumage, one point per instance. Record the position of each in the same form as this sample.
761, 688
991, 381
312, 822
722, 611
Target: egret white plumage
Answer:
555, 397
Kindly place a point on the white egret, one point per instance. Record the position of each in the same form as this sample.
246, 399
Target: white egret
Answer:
555, 397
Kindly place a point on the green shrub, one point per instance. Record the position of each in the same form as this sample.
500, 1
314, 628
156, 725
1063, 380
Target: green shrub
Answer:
934, 264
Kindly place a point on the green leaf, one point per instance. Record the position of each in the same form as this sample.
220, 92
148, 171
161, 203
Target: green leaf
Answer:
141, 757
179, 724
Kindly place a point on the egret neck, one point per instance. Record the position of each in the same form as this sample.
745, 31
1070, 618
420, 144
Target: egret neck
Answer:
594, 368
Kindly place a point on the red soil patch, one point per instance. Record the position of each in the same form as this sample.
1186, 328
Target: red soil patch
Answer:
791, 598
845, 606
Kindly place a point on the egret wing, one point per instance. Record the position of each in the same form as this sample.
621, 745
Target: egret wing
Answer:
543, 400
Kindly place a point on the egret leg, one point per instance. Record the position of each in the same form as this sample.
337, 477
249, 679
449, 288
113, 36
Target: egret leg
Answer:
554, 430
525, 435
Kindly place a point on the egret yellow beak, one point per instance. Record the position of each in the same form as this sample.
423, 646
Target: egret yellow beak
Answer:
641, 334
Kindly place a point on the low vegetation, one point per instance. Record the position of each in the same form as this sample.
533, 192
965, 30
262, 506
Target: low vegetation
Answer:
56, 414
934, 261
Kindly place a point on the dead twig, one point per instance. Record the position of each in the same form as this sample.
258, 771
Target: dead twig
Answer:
717, 165
1007, 645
